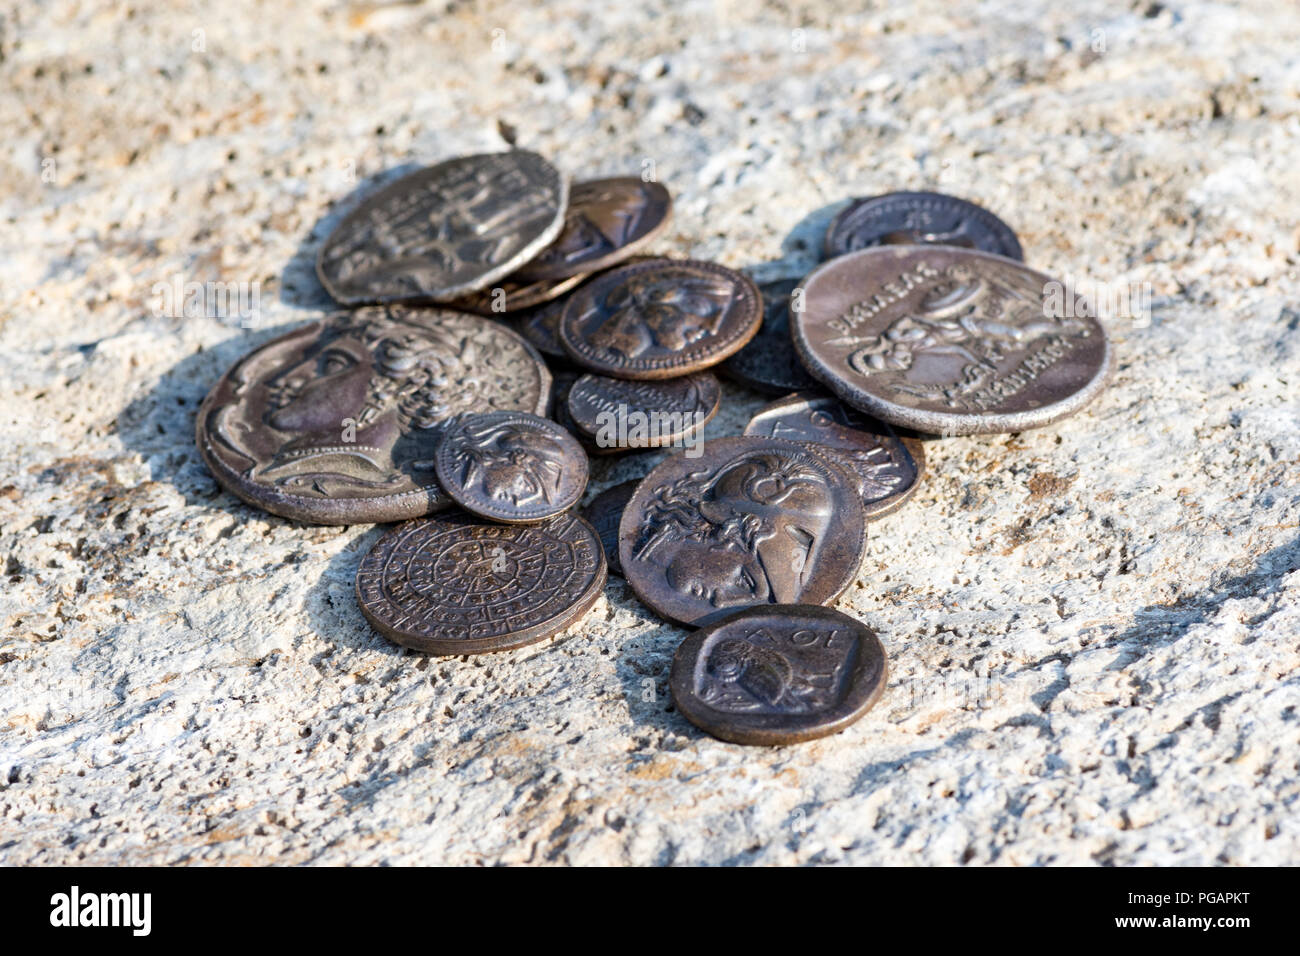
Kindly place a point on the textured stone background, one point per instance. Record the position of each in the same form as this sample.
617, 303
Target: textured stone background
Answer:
1093, 627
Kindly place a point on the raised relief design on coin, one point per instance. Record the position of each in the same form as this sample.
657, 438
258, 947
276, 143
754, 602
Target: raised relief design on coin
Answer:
778, 675
749, 521
455, 584
607, 221
617, 413
445, 231
887, 468
769, 362
511, 466
660, 319
949, 341
919, 219
338, 422
605, 513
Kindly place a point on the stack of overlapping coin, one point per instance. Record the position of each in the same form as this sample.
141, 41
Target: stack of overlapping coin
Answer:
424, 402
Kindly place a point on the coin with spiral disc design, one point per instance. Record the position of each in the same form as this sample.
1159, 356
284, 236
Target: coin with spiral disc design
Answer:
445, 231
887, 468
511, 466
769, 362
660, 319
456, 584
748, 521
778, 675
919, 219
950, 341
607, 221
338, 422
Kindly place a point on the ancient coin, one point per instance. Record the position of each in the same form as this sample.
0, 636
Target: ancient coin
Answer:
338, 422
617, 413
605, 512
949, 341
456, 584
769, 362
607, 221
919, 219
540, 325
660, 319
747, 521
887, 468
778, 675
509, 297
445, 231
511, 466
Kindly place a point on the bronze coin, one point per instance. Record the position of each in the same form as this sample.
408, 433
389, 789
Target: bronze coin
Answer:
778, 675
660, 319
511, 466
887, 468
919, 219
748, 521
617, 413
456, 584
445, 231
769, 362
338, 422
949, 341
510, 297
540, 325
607, 221
605, 512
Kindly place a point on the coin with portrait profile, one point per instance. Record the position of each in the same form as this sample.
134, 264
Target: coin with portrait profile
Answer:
606, 222
919, 218
338, 422
445, 231
662, 318
739, 522
511, 466
778, 675
458, 584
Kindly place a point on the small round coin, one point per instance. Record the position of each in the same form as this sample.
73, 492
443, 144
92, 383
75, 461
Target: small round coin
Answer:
747, 521
605, 512
511, 466
660, 319
919, 219
446, 230
778, 675
607, 221
769, 362
540, 325
887, 468
949, 341
338, 422
455, 584
617, 413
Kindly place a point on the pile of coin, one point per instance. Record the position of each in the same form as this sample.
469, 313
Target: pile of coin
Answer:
500, 328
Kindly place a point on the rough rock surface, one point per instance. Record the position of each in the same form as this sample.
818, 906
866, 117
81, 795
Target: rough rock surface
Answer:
1093, 627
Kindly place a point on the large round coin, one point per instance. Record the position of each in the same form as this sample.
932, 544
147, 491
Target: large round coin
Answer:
445, 231
607, 221
660, 319
605, 512
778, 675
338, 422
455, 584
748, 521
511, 466
617, 413
769, 362
919, 219
887, 468
949, 341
